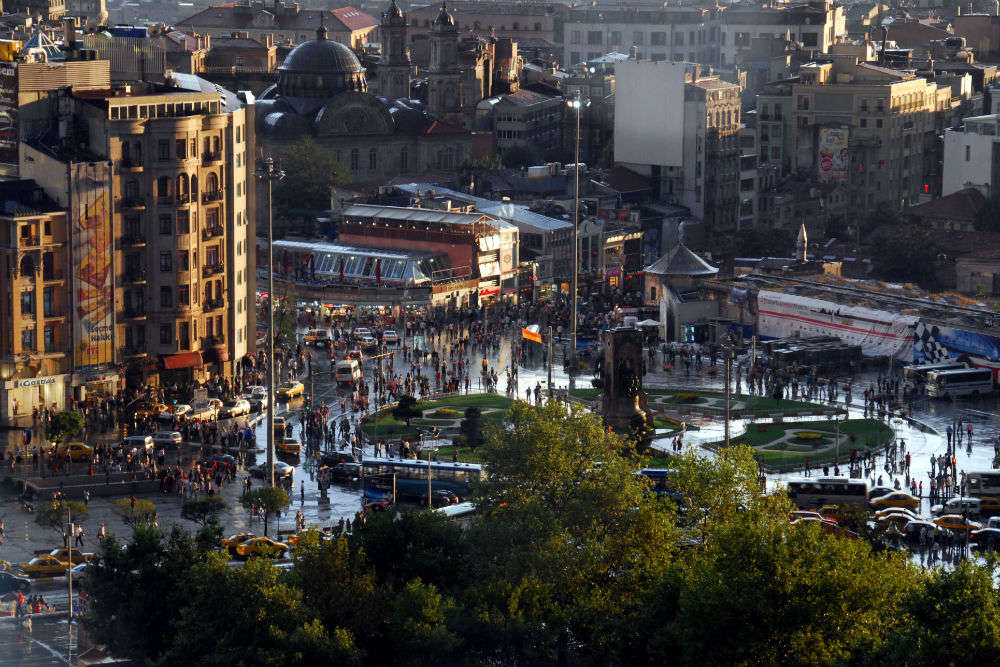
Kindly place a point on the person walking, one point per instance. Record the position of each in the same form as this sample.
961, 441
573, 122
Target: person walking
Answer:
79, 537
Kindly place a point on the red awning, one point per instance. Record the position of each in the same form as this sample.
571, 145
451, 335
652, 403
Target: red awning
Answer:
182, 360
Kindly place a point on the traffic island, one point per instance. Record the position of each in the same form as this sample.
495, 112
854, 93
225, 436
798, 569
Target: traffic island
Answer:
682, 401
445, 414
783, 447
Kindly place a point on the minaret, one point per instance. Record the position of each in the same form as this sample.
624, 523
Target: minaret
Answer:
802, 244
394, 67
443, 90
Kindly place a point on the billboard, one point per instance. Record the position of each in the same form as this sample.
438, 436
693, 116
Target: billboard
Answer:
833, 158
93, 263
8, 116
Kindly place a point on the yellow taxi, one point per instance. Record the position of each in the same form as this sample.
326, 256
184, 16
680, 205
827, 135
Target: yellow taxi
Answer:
235, 540
78, 557
44, 566
896, 499
149, 410
261, 546
287, 446
78, 451
957, 523
291, 389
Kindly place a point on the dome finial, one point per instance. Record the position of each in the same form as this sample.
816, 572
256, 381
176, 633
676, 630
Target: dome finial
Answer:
321, 31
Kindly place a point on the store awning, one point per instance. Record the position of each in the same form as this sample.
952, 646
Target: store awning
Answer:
182, 360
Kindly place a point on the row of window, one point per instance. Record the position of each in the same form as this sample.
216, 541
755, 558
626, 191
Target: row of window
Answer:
48, 340
174, 109
49, 303
135, 337
477, 26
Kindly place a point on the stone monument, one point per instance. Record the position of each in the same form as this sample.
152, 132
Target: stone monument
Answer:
624, 405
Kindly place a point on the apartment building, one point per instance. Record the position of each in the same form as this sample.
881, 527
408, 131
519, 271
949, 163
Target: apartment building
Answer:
681, 127
972, 156
526, 119
175, 204
815, 25
36, 349
859, 123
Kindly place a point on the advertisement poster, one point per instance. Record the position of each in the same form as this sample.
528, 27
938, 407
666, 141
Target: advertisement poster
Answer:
879, 333
8, 116
93, 262
938, 342
833, 157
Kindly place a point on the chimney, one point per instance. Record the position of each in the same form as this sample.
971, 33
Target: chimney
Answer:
69, 34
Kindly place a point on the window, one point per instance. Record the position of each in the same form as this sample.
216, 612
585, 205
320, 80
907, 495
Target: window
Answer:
878, 122
968, 152
595, 37
183, 224
354, 159
166, 262
658, 38
615, 38
182, 260
864, 122
574, 37
678, 39
809, 39
372, 160
404, 159
180, 146
49, 301
166, 224
132, 189
166, 297
28, 304
637, 38
163, 149
49, 338
28, 339
166, 334
163, 187
183, 295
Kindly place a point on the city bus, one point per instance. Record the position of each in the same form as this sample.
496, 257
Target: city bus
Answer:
915, 376
960, 382
411, 476
809, 493
660, 482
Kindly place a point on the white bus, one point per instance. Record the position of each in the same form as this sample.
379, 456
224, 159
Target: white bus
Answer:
915, 376
811, 493
960, 382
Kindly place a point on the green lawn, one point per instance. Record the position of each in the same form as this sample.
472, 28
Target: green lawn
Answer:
390, 427
867, 433
584, 393
463, 454
751, 404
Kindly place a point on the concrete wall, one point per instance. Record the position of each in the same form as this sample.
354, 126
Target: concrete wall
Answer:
649, 112
959, 172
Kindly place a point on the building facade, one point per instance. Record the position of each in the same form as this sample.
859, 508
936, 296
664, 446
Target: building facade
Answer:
972, 156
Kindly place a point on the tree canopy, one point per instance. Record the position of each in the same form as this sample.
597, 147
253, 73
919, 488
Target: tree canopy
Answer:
65, 425
311, 172
905, 253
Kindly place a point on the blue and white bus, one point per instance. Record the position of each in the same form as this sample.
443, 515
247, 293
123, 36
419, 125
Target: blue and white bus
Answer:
411, 476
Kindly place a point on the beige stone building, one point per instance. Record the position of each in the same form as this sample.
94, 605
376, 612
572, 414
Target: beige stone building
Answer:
35, 345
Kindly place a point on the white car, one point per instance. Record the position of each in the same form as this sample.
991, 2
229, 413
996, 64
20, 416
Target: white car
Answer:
206, 410
258, 398
167, 438
234, 407
367, 342
362, 332
173, 411
390, 337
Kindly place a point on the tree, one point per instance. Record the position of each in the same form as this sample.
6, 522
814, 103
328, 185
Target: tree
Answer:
65, 425
472, 426
406, 409
203, 510
268, 499
58, 513
135, 512
284, 328
905, 253
311, 172
988, 217
419, 625
565, 545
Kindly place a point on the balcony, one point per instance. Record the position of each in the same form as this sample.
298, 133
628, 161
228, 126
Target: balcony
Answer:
128, 164
212, 270
212, 304
131, 203
211, 232
134, 312
211, 157
23, 242
212, 341
209, 197
53, 276
135, 276
183, 199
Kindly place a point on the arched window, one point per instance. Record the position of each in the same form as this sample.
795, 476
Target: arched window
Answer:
194, 186
216, 145
212, 183
132, 189
182, 186
354, 159
372, 160
27, 266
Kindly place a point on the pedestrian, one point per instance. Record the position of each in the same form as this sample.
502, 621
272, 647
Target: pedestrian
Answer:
79, 536
86, 497
302, 492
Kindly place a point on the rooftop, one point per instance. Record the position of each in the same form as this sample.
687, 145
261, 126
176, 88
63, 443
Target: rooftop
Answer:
962, 205
414, 214
232, 16
681, 261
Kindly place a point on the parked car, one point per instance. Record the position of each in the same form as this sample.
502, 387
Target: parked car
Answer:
234, 407
281, 469
139, 442
914, 529
145, 409
367, 342
291, 389
361, 332
218, 461
167, 438
206, 410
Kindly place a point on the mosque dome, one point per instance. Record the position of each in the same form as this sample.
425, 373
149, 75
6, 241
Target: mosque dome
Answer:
320, 68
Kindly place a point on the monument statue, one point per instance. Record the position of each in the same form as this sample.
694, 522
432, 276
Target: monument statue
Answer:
624, 405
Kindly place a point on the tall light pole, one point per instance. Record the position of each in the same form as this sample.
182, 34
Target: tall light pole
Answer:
269, 172
577, 103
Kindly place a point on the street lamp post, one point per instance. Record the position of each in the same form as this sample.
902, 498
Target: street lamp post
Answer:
577, 103
269, 172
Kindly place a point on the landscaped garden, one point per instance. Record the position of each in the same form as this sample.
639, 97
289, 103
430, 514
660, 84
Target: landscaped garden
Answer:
446, 414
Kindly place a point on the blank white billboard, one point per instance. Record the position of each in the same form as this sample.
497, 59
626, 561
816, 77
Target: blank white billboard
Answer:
649, 112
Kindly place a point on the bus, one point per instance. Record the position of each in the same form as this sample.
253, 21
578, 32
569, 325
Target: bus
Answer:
810, 493
984, 484
960, 382
660, 482
915, 376
411, 476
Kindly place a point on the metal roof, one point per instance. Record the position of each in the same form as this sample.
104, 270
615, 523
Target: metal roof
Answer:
323, 246
518, 214
681, 261
415, 214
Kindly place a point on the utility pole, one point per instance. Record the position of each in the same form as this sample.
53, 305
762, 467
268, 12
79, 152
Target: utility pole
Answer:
576, 103
69, 572
268, 171
550, 360
728, 352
